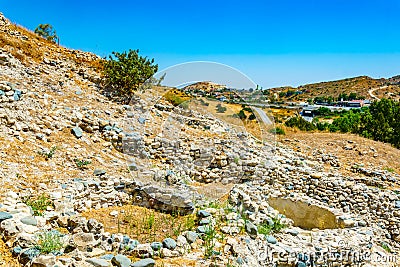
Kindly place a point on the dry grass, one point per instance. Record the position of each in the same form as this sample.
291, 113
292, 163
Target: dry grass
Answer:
251, 126
24, 164
176, 97
143, 224
281, 114
6, 259
371, 153
32, 47
22, 50
176, 262
213, 191
391, 91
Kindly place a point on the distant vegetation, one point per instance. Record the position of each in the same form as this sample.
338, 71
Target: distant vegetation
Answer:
242, 113
125, 72
340, 97
176, 98
346, 89
48, 32
278, 131
381, 122
300, 123
220, 108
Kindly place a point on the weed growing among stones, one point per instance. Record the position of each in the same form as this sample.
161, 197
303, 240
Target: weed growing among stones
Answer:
267, 227
47, 154
81, 164
389, 169
38, 204
149, 225
386, 247
209, 241
49, 241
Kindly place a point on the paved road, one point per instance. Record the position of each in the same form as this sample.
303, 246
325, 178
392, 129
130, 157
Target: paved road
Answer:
371, 92
263, 116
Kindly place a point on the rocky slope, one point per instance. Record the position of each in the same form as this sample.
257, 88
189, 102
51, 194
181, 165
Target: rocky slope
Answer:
61, 137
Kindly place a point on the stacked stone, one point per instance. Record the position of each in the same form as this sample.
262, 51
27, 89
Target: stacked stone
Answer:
9, 92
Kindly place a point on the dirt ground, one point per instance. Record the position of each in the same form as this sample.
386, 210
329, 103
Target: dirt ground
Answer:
349, 148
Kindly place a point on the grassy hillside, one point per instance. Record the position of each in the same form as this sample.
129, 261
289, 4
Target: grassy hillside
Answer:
30, 48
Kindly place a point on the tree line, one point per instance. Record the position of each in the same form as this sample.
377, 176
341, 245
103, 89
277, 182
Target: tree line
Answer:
380, 121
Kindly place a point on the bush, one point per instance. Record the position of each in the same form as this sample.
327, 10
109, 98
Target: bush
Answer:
220, 109
278, 131
252, 116
204, 103
49, 241
47, 154
241, 115
323, 111
268, 228
348, 122
38, 204
81, 164
246, 108
125, 72
382, 122
322, 126
176, 98
300, 123
333, 128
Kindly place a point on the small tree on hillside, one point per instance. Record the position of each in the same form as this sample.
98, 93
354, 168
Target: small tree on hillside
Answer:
241, 115
47, 31
125, 72
220, 108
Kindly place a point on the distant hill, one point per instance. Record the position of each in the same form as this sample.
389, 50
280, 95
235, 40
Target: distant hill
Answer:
205, 86
359, 85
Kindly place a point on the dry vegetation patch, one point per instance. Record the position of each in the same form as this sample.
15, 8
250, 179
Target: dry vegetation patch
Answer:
349, 148
143, 224
6, 259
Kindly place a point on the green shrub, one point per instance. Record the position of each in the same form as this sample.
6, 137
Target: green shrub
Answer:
386, 247
125, 72
267, 228
278, 131
47, 31
348, 122
333, 128
252, 116
323, 111
241, 115
177, 98
246, 108
81, 164
47, 154
204, 103
38, 204
388, 169
209, 241
49, 241
322, 126
220, 108
300, 123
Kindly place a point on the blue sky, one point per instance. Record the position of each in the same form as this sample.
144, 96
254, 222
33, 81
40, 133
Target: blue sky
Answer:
276, 43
